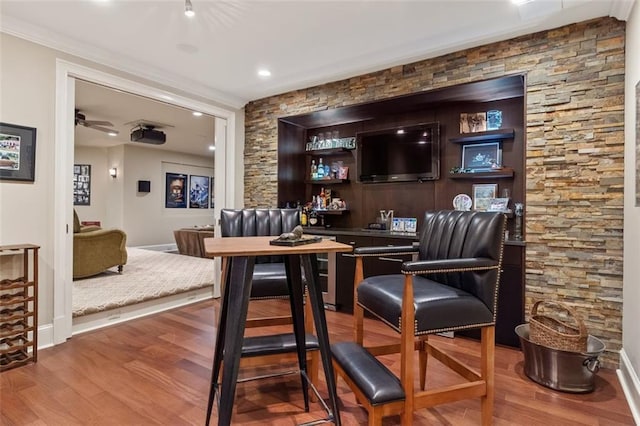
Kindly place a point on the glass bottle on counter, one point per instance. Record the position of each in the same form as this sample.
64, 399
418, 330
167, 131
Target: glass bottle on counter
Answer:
314, 170
313, 218
320, 169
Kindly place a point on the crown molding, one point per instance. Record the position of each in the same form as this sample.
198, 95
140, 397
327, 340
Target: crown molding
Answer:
34, 34
621, 9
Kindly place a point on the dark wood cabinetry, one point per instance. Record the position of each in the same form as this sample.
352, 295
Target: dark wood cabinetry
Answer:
377, 265
411, 199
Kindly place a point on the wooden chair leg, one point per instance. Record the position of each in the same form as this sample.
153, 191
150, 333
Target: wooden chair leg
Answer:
407, 346
423, 356
358, 312
487, 370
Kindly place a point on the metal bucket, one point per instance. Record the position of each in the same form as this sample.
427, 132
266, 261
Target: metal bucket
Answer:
561, 370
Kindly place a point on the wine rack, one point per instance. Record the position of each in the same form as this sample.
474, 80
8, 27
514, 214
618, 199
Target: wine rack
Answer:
19, 309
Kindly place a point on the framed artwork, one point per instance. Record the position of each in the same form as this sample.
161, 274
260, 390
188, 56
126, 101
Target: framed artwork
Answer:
17, 152
198, 192
211, 200
494, 119
81, 184
483, 194
498, 204
175, 191
473, 122
481, 157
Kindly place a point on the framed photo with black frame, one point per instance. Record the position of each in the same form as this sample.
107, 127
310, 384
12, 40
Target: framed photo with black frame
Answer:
175, 191
17, 152
483, 193
481, 157
82, 184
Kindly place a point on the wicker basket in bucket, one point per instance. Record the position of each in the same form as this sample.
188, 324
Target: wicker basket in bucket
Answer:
555, 334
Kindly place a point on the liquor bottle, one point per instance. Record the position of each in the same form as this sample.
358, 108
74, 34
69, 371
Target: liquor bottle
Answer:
314, 170
320, 169
313, 218
303, 217
323, 199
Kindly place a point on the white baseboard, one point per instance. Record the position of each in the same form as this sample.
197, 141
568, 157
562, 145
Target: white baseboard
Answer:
45, 336
115, 316
630, 385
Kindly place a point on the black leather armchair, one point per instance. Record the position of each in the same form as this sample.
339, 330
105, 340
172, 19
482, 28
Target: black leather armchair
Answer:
452, 286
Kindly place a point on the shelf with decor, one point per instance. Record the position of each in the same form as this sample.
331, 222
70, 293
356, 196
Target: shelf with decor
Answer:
332, 211
325, 181
18, 306
492, 135
503, 173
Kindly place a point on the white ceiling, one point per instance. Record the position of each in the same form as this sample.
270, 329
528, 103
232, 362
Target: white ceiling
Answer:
217, 53
185, 132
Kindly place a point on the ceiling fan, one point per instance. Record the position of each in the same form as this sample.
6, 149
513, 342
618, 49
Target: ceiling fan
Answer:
94, 124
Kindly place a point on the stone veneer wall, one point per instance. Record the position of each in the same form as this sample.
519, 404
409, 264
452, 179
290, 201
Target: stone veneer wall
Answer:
574, 164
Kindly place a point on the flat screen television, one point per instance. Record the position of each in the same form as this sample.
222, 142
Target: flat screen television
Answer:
399, 154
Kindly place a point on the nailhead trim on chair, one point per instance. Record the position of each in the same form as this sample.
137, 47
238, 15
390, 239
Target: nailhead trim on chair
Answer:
437, 271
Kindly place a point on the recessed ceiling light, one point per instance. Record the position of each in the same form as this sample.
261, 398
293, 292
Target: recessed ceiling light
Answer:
400, 131
112, 134
264, 73
212, 148
197, 113
521, 2
188, 9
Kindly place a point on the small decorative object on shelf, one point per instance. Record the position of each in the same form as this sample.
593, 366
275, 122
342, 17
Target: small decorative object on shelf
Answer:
317, 143
494, 119
519, 212
462, 202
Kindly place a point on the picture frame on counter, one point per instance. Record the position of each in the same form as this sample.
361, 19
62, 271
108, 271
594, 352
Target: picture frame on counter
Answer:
483, 193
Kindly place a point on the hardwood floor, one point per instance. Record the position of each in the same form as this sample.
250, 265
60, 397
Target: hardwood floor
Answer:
156, 370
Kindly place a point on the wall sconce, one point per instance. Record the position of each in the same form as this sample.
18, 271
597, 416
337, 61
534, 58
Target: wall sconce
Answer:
113, 172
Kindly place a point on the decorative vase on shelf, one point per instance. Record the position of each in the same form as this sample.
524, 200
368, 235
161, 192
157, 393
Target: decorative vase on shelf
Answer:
519, 212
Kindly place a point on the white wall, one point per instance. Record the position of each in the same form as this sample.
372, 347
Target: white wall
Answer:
630, 356
146, 220
116, 202
28, 98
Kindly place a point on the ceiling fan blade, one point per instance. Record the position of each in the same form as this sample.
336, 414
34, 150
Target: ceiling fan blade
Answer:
97, 123
103, 129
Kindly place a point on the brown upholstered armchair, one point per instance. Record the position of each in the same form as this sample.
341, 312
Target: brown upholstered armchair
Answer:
95, 250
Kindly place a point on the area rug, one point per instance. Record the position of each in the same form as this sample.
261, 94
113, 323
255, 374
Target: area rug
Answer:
147, 275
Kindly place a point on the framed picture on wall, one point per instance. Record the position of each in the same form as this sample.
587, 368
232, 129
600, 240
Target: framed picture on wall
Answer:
17, 152
481, 157
175, 191
198, 192
211, 200
81, 184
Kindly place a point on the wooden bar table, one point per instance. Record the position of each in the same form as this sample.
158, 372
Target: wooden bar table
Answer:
241, 253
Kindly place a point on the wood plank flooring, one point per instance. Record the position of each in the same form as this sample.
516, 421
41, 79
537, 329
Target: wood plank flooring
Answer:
156, 371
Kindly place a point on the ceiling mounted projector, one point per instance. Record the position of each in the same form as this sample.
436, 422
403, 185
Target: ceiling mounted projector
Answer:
147, 134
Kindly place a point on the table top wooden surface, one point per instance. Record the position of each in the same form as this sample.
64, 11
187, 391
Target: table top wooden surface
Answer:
259, 246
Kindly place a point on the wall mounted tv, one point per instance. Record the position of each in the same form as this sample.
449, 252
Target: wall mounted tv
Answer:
399, 154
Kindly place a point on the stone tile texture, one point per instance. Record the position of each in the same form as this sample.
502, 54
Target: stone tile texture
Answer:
574, 153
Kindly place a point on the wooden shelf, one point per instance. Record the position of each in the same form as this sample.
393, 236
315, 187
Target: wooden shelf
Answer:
329, 151
332, 212
498, 174
493, 135
325, 181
